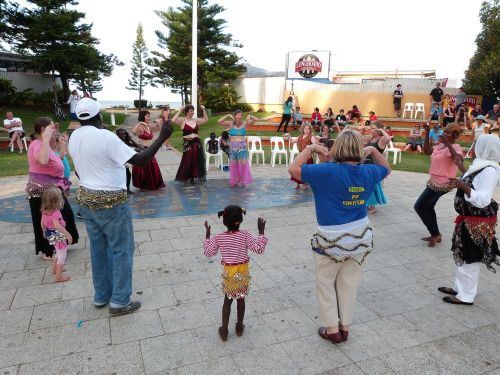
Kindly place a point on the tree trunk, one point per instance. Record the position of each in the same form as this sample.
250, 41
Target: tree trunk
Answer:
83, 86
65, 86
54, 87
140, 92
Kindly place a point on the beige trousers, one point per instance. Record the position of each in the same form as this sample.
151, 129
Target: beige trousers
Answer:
336, 287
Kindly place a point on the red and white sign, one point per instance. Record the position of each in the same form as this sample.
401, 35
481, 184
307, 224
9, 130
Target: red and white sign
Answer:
308, 65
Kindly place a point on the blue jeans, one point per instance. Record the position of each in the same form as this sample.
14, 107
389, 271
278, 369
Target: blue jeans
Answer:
424, 207
111, 237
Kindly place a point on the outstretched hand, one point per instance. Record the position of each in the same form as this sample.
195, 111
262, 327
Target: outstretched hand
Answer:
207, 227
261, 225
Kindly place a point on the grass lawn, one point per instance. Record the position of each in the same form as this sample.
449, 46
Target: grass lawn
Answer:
14, 164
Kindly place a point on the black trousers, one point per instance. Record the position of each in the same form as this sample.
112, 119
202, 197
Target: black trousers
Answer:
129, 177
41, 244
285, 119
424, 207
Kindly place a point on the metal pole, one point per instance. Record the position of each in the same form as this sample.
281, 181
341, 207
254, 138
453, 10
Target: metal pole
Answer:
194, 58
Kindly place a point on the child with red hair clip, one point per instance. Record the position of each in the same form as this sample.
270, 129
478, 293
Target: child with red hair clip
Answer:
233, 245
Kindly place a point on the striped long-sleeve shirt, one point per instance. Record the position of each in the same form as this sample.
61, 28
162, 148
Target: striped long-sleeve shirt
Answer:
234, 246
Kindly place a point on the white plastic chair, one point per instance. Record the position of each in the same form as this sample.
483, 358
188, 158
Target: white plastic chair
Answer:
23, 139
293, 150
408, 108
420, 108
278, 149
208, 156
396, 151
255, 148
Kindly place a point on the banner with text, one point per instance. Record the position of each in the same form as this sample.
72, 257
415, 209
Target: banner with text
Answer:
307, 65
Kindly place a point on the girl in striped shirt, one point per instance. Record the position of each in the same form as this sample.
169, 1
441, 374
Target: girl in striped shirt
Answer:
233, 245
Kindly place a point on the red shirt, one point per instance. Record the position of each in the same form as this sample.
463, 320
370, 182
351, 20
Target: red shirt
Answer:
373, 118
316, 116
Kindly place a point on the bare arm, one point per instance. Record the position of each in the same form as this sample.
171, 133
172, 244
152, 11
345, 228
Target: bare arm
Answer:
138, 129
457, 158
142, 158
376, 156
295, 169
251, 119
222, 121
203, 120
43, 154
177, 120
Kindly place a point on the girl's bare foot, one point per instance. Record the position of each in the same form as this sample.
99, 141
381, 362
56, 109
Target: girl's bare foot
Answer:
61, 279
46, 257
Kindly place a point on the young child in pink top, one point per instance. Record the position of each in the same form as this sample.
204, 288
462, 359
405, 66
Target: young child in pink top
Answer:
233, 245
53, 227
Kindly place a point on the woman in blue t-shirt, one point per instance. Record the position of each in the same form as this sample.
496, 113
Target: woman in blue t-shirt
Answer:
343, 238
287, 114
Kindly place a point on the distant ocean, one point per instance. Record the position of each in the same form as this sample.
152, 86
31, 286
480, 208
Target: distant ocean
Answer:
130, 103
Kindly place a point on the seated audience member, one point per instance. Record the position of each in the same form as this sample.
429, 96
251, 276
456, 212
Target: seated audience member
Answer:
435, 133
493, 115
326, 158
373, 116
448, 115
224, 142
213, 144
14, 126
329, 119
316, 119
461, 114
354, 115
324, 135
436, 113
341, 119
475, 112
415, 140
296, 118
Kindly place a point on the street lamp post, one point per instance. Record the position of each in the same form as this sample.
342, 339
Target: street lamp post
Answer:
194, 58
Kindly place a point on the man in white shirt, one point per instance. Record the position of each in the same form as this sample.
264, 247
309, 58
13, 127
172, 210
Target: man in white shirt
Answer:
15, 127
72, 101
99, 157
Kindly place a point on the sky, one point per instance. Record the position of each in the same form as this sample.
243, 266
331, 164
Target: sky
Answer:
364, 35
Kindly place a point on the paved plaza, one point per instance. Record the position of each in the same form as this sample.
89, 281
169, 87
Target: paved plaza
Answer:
401, 324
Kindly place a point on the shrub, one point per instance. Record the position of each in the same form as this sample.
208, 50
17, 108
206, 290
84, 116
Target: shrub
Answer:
144, 103
220, 99
244, 107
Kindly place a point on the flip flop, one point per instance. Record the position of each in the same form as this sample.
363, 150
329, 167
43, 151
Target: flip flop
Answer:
333, 337
456, 302
446, 290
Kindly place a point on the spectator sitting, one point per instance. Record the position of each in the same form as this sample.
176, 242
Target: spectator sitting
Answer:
461, 114
354, 115
435, 133
373, 116
448, 115
224, 142
436, 113
15, 127
324, 135
297, 118
329, 118
341, 118
316, 119
475, 112
492, 115
213, 144
415, 141
326, 158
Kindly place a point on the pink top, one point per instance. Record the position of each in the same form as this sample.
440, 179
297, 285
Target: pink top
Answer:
442, 165
49, 217
54, 167
234, 246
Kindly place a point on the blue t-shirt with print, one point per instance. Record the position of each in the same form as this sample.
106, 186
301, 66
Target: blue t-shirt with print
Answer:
341, 189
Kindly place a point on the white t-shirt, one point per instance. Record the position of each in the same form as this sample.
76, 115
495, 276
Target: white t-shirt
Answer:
72, 101
99, 157
479, 130
14, 119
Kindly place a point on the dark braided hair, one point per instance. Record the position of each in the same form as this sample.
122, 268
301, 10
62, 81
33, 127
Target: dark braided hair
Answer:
232, 216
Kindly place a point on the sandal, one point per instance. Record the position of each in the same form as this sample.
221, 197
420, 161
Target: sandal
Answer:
240, 327
223, 333
455, 301
333, 337
446, 290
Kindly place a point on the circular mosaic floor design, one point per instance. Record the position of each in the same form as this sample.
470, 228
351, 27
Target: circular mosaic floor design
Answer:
183, 200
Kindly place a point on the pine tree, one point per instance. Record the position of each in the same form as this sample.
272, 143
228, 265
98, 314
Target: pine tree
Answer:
483, 75
216, 64
52, 33
138, 75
